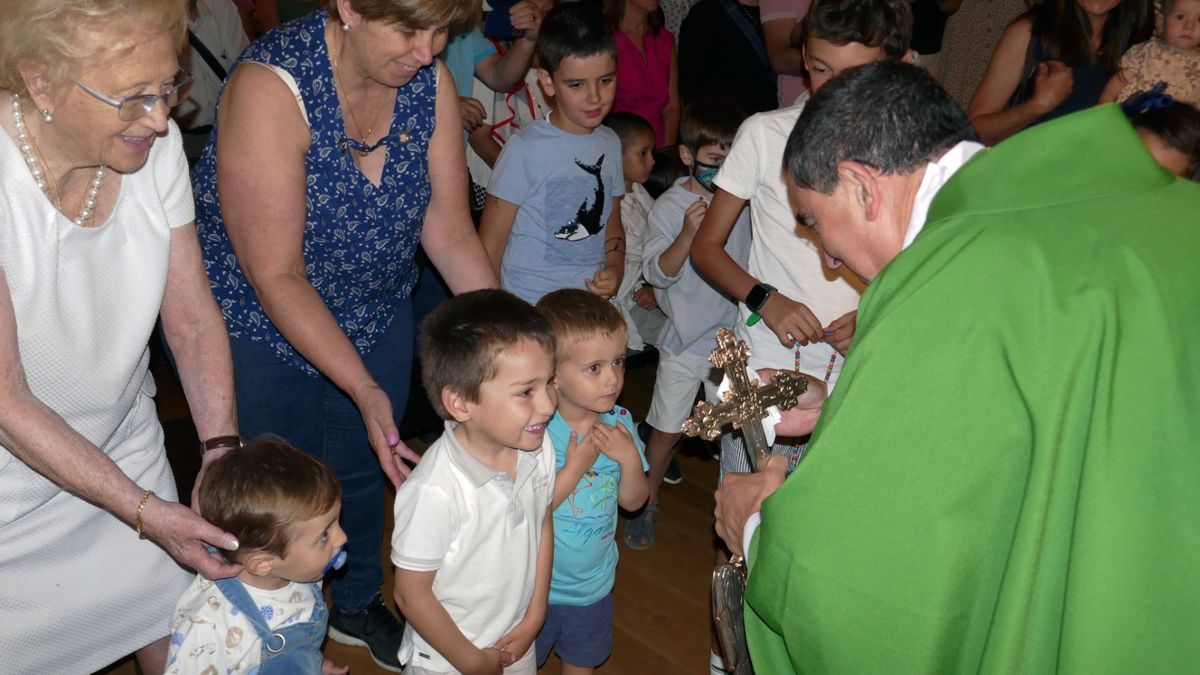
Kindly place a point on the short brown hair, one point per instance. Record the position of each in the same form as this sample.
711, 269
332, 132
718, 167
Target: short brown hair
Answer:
460, 340
884, 24
257, 491
709, 121
575, 314
58, 34
416, 14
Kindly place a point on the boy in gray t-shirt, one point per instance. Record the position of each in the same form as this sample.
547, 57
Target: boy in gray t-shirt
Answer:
551, 219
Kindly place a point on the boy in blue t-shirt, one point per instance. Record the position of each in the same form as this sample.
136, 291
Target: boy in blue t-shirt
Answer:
551, 218
600, 465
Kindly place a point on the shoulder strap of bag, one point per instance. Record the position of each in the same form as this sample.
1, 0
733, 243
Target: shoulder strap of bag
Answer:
213, 64
747, 28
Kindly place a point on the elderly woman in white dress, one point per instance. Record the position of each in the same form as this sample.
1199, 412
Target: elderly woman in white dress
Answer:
96, 238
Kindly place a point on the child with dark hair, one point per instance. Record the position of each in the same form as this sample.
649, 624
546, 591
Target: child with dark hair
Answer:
666, 171
1173, 58
551, 218
473, 540
600, 467
635, 300
283, 507
1172, 135
694, 309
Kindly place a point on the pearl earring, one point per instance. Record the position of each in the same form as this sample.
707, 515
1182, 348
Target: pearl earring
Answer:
346, 26
47, 116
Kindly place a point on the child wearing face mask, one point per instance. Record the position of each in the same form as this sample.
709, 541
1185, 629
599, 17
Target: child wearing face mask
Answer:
1174, 58
694, 309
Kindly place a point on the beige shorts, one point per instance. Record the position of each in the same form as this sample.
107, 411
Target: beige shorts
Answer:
675, 387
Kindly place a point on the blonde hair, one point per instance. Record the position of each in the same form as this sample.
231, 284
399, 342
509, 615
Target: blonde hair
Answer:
415, 14
58, 34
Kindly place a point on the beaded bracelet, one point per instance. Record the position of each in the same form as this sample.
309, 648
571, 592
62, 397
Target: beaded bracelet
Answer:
137, 516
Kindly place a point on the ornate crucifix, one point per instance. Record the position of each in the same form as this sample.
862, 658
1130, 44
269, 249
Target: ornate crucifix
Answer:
746, 402
744, 407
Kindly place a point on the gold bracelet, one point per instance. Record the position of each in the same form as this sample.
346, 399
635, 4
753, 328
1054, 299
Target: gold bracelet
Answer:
137, 516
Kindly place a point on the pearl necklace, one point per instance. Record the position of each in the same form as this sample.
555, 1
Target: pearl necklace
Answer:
28, 149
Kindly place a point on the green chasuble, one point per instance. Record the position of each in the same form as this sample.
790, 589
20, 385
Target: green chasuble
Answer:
1007, 478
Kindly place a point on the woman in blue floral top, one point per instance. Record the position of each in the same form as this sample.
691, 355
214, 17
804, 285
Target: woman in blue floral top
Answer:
325, 170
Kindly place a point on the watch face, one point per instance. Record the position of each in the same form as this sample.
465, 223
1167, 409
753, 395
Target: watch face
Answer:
758, 296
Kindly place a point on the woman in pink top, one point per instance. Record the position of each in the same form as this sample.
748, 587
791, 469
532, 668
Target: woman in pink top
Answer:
647, 69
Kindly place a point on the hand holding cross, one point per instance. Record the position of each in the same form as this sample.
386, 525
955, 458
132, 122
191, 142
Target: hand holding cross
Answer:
746, 402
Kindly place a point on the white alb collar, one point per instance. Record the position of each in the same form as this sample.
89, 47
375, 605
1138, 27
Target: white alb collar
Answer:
937, 174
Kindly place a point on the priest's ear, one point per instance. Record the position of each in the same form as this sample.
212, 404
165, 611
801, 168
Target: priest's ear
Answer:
862, 184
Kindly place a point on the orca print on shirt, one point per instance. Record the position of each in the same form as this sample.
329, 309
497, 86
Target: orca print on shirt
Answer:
587, 220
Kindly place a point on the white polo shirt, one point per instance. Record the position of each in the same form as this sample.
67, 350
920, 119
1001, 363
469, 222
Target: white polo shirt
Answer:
480, 530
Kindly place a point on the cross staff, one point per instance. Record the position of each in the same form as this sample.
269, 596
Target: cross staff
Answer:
746, 403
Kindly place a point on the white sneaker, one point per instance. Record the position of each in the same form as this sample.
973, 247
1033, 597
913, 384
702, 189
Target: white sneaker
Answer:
716, 664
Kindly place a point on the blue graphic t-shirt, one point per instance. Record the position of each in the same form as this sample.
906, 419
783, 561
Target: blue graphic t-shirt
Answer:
585, 524
563, 185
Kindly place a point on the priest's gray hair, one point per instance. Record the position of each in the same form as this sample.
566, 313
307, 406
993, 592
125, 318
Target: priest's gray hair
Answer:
888, 115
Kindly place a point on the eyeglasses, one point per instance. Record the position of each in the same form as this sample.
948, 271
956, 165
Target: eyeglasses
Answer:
135, 107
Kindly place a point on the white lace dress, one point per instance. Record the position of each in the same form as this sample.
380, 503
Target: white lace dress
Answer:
78, 589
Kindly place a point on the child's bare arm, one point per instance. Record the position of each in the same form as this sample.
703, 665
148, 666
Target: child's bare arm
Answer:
581, 455
617, 443
484, 145
1112, 90
708, 247
416, 601
494, 227
791, 321
518, 640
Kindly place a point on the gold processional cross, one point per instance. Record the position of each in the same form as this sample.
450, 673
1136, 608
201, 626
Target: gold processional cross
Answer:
745, 407
746, 402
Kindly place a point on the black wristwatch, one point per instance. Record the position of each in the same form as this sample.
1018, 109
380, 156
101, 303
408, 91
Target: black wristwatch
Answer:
758, 296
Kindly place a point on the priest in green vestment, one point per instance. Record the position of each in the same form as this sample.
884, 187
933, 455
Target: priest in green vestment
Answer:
1007, 478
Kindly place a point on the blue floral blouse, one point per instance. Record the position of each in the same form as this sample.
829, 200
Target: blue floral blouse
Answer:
359, 239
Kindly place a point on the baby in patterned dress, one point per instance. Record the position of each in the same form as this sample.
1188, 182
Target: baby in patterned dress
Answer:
1173, 58
283, 507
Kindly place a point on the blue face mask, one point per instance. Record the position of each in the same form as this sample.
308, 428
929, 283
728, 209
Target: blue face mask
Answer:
705, 174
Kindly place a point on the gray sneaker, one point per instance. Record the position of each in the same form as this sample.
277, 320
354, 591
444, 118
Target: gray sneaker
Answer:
375, 628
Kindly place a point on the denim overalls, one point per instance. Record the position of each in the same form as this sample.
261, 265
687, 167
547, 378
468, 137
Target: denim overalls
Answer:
290, 650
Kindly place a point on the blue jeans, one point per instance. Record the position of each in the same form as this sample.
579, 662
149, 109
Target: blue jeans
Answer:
314, 415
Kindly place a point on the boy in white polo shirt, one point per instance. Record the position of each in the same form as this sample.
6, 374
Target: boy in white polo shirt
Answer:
473, 541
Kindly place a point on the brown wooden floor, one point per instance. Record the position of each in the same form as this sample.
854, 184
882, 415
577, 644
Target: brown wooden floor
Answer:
661, 594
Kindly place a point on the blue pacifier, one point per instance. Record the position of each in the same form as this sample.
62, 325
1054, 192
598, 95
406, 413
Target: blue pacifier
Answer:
336, 562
